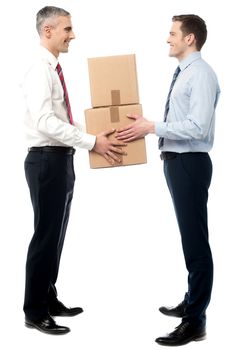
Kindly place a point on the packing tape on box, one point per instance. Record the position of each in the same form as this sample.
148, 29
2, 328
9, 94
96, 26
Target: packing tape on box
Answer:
114, 110
114, 114
115, 97
115, 118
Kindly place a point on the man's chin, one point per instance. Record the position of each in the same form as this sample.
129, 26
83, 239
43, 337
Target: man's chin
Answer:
64, 50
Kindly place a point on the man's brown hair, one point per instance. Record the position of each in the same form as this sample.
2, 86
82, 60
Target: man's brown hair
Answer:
195, 25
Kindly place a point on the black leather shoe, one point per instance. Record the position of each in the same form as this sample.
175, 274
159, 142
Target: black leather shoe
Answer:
182, 335
59, 309
178, 311
47, 325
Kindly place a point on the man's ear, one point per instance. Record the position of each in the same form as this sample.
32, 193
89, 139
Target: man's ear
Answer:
47, 31
190, 39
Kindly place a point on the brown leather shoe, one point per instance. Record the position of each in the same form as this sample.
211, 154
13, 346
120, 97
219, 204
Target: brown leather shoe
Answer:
47, 325
183, 334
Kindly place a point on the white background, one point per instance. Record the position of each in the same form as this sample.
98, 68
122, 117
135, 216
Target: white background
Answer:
122, 257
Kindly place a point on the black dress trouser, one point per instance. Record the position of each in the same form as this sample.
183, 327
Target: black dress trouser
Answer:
188, 177
50, 177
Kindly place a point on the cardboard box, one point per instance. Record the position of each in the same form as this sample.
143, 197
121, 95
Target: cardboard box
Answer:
113, 80
104, 119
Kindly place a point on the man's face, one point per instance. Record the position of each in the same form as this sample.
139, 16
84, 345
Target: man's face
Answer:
179, 47
61, 33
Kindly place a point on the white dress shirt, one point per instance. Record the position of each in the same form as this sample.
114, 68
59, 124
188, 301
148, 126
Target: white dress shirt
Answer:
46, 117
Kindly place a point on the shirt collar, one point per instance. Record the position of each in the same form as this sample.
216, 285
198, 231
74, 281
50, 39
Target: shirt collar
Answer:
190, 59
48, 56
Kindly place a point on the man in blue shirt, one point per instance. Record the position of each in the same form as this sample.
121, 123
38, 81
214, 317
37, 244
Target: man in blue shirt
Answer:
185, 137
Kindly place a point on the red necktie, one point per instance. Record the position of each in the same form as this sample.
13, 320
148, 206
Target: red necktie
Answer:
61, 76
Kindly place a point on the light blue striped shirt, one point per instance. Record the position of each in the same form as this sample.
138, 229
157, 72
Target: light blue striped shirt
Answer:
191, 118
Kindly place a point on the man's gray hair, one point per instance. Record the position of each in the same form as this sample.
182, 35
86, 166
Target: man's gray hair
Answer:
48, 12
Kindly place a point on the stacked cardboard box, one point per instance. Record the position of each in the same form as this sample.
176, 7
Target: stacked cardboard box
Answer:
114, 94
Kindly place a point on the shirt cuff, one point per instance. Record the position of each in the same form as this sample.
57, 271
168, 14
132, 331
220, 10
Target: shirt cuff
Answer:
86, 141
160, 129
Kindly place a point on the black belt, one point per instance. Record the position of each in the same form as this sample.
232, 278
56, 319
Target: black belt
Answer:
54, 149
168, 155
172, 155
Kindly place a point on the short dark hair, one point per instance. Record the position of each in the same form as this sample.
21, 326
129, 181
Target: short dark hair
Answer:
48, 12
193, 24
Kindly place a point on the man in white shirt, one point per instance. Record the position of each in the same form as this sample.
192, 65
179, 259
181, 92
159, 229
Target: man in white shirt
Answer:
52, 137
